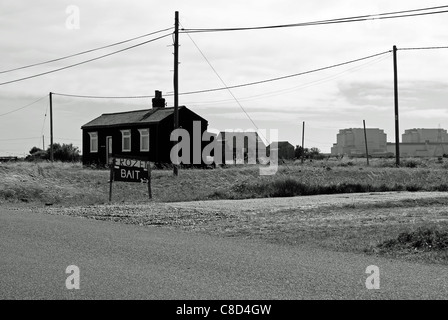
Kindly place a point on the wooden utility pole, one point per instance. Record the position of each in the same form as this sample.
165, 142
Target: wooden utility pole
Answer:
175, 81
43, 142
397, 134
365, 139
303, 140
111, 179
51, 127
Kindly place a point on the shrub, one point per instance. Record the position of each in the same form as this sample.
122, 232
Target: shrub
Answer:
37, 155
424, 238
441, 187
412, 187
413, 163
64, 153
288, 188
34, 150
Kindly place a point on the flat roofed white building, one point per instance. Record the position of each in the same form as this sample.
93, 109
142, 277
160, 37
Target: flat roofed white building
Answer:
351, 142
421, 135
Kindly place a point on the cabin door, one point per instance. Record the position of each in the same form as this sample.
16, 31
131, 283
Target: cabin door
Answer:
109, 150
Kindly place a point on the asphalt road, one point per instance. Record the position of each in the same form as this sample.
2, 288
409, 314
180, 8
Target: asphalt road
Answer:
118, 261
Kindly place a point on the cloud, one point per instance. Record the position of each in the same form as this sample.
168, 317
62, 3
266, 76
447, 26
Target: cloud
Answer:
35, 31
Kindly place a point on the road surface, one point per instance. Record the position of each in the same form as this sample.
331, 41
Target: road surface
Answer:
119, 261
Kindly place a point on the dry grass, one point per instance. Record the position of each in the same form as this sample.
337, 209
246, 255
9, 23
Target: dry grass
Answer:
71, 184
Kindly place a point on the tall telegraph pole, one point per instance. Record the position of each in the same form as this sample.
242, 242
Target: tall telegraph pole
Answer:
365, 140
51, 127
303, 141
397, 134
175, 82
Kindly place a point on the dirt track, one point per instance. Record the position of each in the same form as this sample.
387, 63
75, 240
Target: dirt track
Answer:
304, 202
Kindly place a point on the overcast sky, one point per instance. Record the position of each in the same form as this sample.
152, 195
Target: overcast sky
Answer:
35, 31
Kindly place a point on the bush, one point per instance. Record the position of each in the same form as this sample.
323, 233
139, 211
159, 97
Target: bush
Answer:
288, 188
412, 163
64, 153
424, 238
37, 155
34, 150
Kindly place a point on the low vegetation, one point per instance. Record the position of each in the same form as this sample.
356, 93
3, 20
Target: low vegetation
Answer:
71, 183
421, 240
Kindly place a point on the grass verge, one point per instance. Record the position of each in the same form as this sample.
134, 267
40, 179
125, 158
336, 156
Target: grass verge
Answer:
71, 184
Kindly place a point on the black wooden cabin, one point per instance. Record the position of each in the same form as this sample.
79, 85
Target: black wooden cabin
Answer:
141, 133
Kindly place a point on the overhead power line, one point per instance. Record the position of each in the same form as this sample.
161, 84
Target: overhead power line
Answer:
85, 61
16, 139
297, 87
224, 88
30, 104
422, 48
282, 77
223, 82
245, 84
45, 118
84, 52
380, 16
100, 97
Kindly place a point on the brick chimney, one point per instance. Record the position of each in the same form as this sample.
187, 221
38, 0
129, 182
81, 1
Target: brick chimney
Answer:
158, 101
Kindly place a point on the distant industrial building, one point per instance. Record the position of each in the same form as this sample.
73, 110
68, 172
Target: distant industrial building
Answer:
241, 147
424, 135
422, 143
351, 142
285, 150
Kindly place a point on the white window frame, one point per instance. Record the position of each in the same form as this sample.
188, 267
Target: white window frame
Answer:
143, 133
126, 134
93, 138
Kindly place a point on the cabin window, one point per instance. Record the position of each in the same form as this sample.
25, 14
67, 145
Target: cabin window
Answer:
126, 140
144, 139
93, 142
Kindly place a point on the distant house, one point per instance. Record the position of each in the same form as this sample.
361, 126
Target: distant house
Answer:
285, 150
241, 147
141, 133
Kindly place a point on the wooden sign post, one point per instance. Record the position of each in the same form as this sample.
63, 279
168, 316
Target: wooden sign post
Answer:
111, 179
130, 170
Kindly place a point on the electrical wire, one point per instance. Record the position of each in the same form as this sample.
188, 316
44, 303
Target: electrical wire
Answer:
84, 52
207, 90
381, 16
259, 133
68, 139
85, 61
43, 125
294, 88
282, 77
30, 104
100, 97
258, 82
15, 139
223, 82
422, 48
